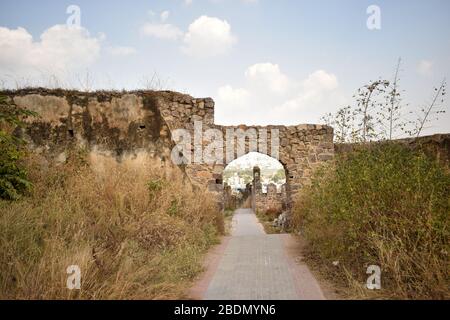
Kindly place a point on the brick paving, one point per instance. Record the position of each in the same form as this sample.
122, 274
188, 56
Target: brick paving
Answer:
255, 266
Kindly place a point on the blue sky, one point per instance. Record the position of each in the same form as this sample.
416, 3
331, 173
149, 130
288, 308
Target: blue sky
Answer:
262, 61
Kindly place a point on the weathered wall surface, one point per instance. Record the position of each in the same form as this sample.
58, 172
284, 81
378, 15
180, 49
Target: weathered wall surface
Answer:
119, 124
124, 124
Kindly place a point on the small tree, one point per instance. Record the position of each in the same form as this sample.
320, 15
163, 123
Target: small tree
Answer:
430, 112
390, 115
367, 103
13, 177
379, 113
342, 122
278, 176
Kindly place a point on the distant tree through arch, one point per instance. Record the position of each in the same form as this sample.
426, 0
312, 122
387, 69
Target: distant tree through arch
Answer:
239, 173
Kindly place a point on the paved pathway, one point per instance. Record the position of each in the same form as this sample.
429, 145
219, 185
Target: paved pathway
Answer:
255, 266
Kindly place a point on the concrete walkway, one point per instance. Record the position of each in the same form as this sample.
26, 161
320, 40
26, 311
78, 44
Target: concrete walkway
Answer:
256, 266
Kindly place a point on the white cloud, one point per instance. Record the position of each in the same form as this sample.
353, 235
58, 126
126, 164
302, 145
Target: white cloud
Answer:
164, 15
271, 97
268, 76
208, 36
187, 2
320, 80
121, 51
312, 92
61, 49
425, 67
161, 31
230, 96
101, 36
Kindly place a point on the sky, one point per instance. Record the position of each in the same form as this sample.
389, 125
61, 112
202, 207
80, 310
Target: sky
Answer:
262, 61
253, 159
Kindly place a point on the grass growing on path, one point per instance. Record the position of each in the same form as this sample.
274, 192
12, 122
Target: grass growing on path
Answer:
266, 219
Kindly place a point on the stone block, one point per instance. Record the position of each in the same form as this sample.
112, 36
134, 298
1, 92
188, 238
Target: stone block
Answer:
326, 156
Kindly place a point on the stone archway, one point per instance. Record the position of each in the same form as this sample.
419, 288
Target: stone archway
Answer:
300, 150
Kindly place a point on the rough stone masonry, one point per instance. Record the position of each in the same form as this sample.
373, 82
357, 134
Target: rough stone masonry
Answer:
271, 200
124, 124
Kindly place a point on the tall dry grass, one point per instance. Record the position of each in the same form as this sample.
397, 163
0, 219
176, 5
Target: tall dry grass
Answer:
137, 231
382, 205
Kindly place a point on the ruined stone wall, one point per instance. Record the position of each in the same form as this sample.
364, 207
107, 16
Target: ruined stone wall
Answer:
125, 124
272, 200
115, 123
230, 201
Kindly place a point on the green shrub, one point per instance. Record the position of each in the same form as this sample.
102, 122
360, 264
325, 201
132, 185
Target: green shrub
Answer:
13, 177
387, 205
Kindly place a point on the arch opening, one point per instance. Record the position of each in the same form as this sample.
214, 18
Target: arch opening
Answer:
256, 181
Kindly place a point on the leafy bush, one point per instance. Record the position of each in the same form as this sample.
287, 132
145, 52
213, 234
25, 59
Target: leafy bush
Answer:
13, 177
385, 205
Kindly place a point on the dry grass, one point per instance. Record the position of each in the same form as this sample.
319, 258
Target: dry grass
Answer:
137, 231
247, 203
273, 213
266, 219
384, 205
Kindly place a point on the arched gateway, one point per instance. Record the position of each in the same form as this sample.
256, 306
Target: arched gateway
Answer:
122, 124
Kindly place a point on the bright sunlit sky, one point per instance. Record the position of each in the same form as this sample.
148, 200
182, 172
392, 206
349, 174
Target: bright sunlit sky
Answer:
262, 61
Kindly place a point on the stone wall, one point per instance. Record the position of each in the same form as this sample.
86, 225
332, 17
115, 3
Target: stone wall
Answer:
124, 124
231, 201
272, 199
